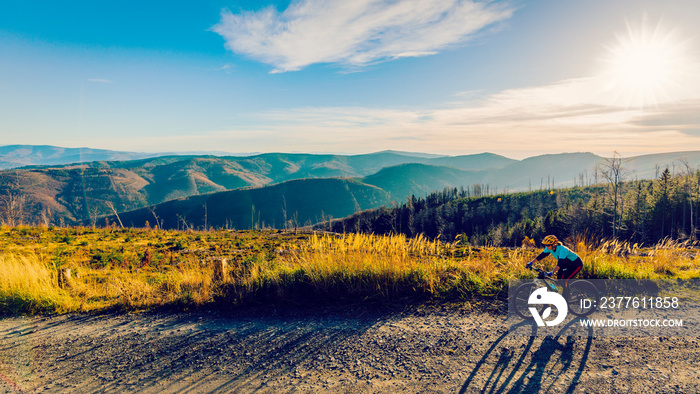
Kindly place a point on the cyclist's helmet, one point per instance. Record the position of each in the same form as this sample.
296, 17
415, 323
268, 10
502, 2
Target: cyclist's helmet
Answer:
550, 240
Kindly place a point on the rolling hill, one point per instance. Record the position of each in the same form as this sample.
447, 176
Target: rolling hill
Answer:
419, 179
78, 193
288, 204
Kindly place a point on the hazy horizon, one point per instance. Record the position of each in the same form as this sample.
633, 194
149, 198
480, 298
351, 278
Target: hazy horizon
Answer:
417, 153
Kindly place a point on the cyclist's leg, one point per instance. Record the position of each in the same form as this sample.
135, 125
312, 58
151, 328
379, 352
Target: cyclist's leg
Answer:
572, 272
567, 271
561, 272
570, 269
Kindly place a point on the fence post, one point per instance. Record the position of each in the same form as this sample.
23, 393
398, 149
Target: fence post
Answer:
220, 268
64, 277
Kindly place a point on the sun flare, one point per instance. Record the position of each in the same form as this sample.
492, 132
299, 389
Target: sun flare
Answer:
646, 66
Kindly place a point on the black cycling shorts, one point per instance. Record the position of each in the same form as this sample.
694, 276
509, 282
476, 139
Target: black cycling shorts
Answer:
568, 269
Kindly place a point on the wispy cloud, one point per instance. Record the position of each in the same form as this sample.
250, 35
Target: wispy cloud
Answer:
99, 80
683, 116
571, 115
355, 33
227, 68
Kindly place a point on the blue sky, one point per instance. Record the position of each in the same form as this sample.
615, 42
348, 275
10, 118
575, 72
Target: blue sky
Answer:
517, 78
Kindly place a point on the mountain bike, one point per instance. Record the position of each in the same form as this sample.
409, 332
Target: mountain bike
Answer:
574, 294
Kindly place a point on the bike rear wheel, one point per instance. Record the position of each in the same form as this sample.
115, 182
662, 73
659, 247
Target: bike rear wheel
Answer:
579, 291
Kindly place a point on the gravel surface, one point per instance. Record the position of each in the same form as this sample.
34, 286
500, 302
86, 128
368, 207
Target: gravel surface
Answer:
417, 349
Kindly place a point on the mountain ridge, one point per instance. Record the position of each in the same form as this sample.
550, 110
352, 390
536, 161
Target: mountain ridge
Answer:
74, 193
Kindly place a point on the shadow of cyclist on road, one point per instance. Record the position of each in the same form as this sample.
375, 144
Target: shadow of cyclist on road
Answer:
518, 369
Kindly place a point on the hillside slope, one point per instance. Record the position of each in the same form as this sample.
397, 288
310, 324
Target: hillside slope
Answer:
545, 171
79, 192
288, 204
420, 179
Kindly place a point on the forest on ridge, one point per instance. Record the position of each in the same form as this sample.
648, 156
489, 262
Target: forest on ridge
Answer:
638, 211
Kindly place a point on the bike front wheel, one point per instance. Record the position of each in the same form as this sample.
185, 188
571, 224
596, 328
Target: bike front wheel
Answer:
582, 297
519, 300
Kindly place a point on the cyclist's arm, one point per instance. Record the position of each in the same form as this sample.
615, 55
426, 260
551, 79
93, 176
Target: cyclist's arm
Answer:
539, 257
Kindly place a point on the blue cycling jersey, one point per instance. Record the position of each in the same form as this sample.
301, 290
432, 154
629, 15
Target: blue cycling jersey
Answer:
561, 252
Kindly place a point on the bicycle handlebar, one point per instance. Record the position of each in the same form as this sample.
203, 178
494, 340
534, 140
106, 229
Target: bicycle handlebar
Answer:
540, 271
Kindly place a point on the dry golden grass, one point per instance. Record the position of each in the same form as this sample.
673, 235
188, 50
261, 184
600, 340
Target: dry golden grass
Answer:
130, 269
362, 267
29, 286
625, 260
139, 268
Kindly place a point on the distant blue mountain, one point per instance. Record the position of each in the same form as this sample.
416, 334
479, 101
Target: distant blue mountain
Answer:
14, 156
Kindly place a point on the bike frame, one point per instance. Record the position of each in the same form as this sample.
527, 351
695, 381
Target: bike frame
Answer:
544, 280
543, 277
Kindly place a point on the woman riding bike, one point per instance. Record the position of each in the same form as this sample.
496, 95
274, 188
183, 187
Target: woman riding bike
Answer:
568, 262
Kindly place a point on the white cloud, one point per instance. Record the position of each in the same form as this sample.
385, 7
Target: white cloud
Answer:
571, 115
355, 33
227, 68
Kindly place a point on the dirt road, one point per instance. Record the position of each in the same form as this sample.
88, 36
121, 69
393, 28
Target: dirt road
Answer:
433, 349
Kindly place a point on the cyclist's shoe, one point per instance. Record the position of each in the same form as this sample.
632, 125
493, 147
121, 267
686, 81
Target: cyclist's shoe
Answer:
550, 273
529, 265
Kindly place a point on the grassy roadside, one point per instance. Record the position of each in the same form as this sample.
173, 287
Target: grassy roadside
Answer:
148, 268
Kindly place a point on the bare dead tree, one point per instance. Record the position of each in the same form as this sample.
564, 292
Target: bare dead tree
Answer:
689, 193
284, 211
185, 225
206, 222
94, 215
614, 173
152, 210
111, 206
12, 200
295, 221
46, 216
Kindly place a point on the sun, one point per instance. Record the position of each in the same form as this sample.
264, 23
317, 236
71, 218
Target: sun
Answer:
646, 66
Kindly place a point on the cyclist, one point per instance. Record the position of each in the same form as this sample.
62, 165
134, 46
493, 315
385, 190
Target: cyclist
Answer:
568, 262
